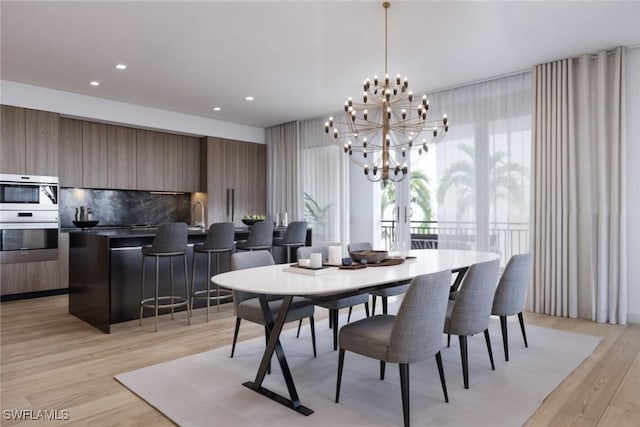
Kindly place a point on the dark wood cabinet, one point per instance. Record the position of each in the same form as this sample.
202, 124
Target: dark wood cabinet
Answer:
94, 155
70, 153
121, 158
41, 143
28, 277
150, 160
172, 162
191, 178
236, 179
12, 144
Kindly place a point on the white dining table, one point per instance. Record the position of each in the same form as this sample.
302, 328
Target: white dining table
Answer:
332, 281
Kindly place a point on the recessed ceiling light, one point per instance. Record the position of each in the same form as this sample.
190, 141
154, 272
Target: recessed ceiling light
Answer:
249, 98
94, 83
121, 67
217, 108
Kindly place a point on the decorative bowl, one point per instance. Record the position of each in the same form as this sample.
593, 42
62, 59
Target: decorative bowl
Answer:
371, 257
86, 224
248, 221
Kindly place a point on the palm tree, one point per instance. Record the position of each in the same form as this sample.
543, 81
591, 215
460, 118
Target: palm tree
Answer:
419, 192
503, 180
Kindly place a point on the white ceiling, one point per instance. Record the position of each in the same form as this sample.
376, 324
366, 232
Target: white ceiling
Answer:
298, 59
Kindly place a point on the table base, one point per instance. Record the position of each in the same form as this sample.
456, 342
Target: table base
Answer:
301, 409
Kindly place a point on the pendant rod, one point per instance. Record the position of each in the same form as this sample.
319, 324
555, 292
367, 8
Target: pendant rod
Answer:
386, 6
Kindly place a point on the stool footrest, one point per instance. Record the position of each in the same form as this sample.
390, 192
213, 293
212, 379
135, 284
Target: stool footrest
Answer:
150, 302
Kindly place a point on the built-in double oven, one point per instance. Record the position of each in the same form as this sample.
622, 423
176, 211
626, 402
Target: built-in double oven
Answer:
29, 225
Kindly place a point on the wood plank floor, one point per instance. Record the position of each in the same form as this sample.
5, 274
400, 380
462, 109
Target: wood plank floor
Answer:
51, 360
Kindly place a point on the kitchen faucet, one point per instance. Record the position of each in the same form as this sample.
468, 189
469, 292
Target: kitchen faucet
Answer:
200, 223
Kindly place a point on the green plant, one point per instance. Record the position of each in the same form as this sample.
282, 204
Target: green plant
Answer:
313, 213
419, 192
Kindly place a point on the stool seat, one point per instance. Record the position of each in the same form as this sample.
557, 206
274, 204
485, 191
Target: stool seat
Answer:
294, 237
260, 237
170, 241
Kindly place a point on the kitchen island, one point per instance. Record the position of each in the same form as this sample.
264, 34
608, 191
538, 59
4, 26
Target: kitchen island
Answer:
105, 270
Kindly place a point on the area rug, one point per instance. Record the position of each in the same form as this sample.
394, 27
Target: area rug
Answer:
206, 389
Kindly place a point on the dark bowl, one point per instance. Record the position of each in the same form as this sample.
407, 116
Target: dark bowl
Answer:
250, 221
85, 224
372, 257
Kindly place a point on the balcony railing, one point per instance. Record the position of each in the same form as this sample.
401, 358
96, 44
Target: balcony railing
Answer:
505, 238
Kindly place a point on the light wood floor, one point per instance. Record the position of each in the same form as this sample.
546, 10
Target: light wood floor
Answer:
52, 360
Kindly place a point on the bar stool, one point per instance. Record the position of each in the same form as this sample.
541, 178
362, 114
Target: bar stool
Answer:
294, 237
219, 240
260, 237
170, 241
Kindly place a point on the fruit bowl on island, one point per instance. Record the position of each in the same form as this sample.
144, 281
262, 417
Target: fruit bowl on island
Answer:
252, 219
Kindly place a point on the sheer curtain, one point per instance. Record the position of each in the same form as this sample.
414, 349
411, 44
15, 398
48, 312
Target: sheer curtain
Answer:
579, 237
283, 171
325, 184
482, 166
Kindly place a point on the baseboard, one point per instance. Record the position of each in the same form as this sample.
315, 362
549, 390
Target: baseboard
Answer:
633, 318
37, 294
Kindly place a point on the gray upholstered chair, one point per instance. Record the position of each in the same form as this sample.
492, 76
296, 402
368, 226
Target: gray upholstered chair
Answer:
219, 240
170, 241
413, 335
294, 237
247, 306
260, 237
510, 295
469, 313
382, 293
334, 305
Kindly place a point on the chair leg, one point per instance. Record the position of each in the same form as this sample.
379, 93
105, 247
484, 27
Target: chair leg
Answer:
171, 284
442, 380
404, 387
488, 340
465, 361
366, 308
373, 305
141, 293
235, 336
299, 326
156, 296
382, 366
340, 366
193, 279
448, 340
505, 339
334, 315
209, 284
384, 305
349, 315
524, 334
312, 325
186, 288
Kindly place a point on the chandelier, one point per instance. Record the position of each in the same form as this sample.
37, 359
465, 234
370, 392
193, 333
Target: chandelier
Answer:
387, 126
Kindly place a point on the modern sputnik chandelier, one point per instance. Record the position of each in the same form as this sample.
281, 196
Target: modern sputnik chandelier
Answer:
387, 126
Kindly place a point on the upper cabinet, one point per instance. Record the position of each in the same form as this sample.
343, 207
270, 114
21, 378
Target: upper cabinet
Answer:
150, 160
29, 142
70, 153
94, 155
12, 144
172, 162
121, 158
191, 178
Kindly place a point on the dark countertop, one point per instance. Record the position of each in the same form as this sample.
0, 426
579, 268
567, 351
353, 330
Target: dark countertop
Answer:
119, 232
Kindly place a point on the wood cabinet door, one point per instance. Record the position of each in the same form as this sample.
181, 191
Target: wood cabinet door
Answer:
70, 153
94, 155
12, 144
256, 170
121, 157
150, 160
14, 277
41, 142
42, 276
64, 259
191, 164
217, 180
173, 162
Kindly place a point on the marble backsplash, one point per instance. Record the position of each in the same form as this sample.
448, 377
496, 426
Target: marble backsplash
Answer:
114, 207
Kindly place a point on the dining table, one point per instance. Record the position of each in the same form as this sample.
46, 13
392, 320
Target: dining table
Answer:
329, 282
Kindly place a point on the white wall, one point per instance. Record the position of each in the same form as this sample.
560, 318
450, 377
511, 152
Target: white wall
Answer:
109, 111
632, 181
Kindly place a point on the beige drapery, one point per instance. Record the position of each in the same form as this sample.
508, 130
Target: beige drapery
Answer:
283, 171
578, 209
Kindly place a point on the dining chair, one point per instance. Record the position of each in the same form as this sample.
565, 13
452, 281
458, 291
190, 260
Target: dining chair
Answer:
414, 334
510, 295
219, 240
385, 293
335, 304
169, 242
247, 305
294, 237
260, 237
469, 313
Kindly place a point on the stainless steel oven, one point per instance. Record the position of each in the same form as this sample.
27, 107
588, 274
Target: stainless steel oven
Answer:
28, 192
29, 225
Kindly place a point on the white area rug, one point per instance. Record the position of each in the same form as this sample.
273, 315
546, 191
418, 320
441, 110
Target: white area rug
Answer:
206, 389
